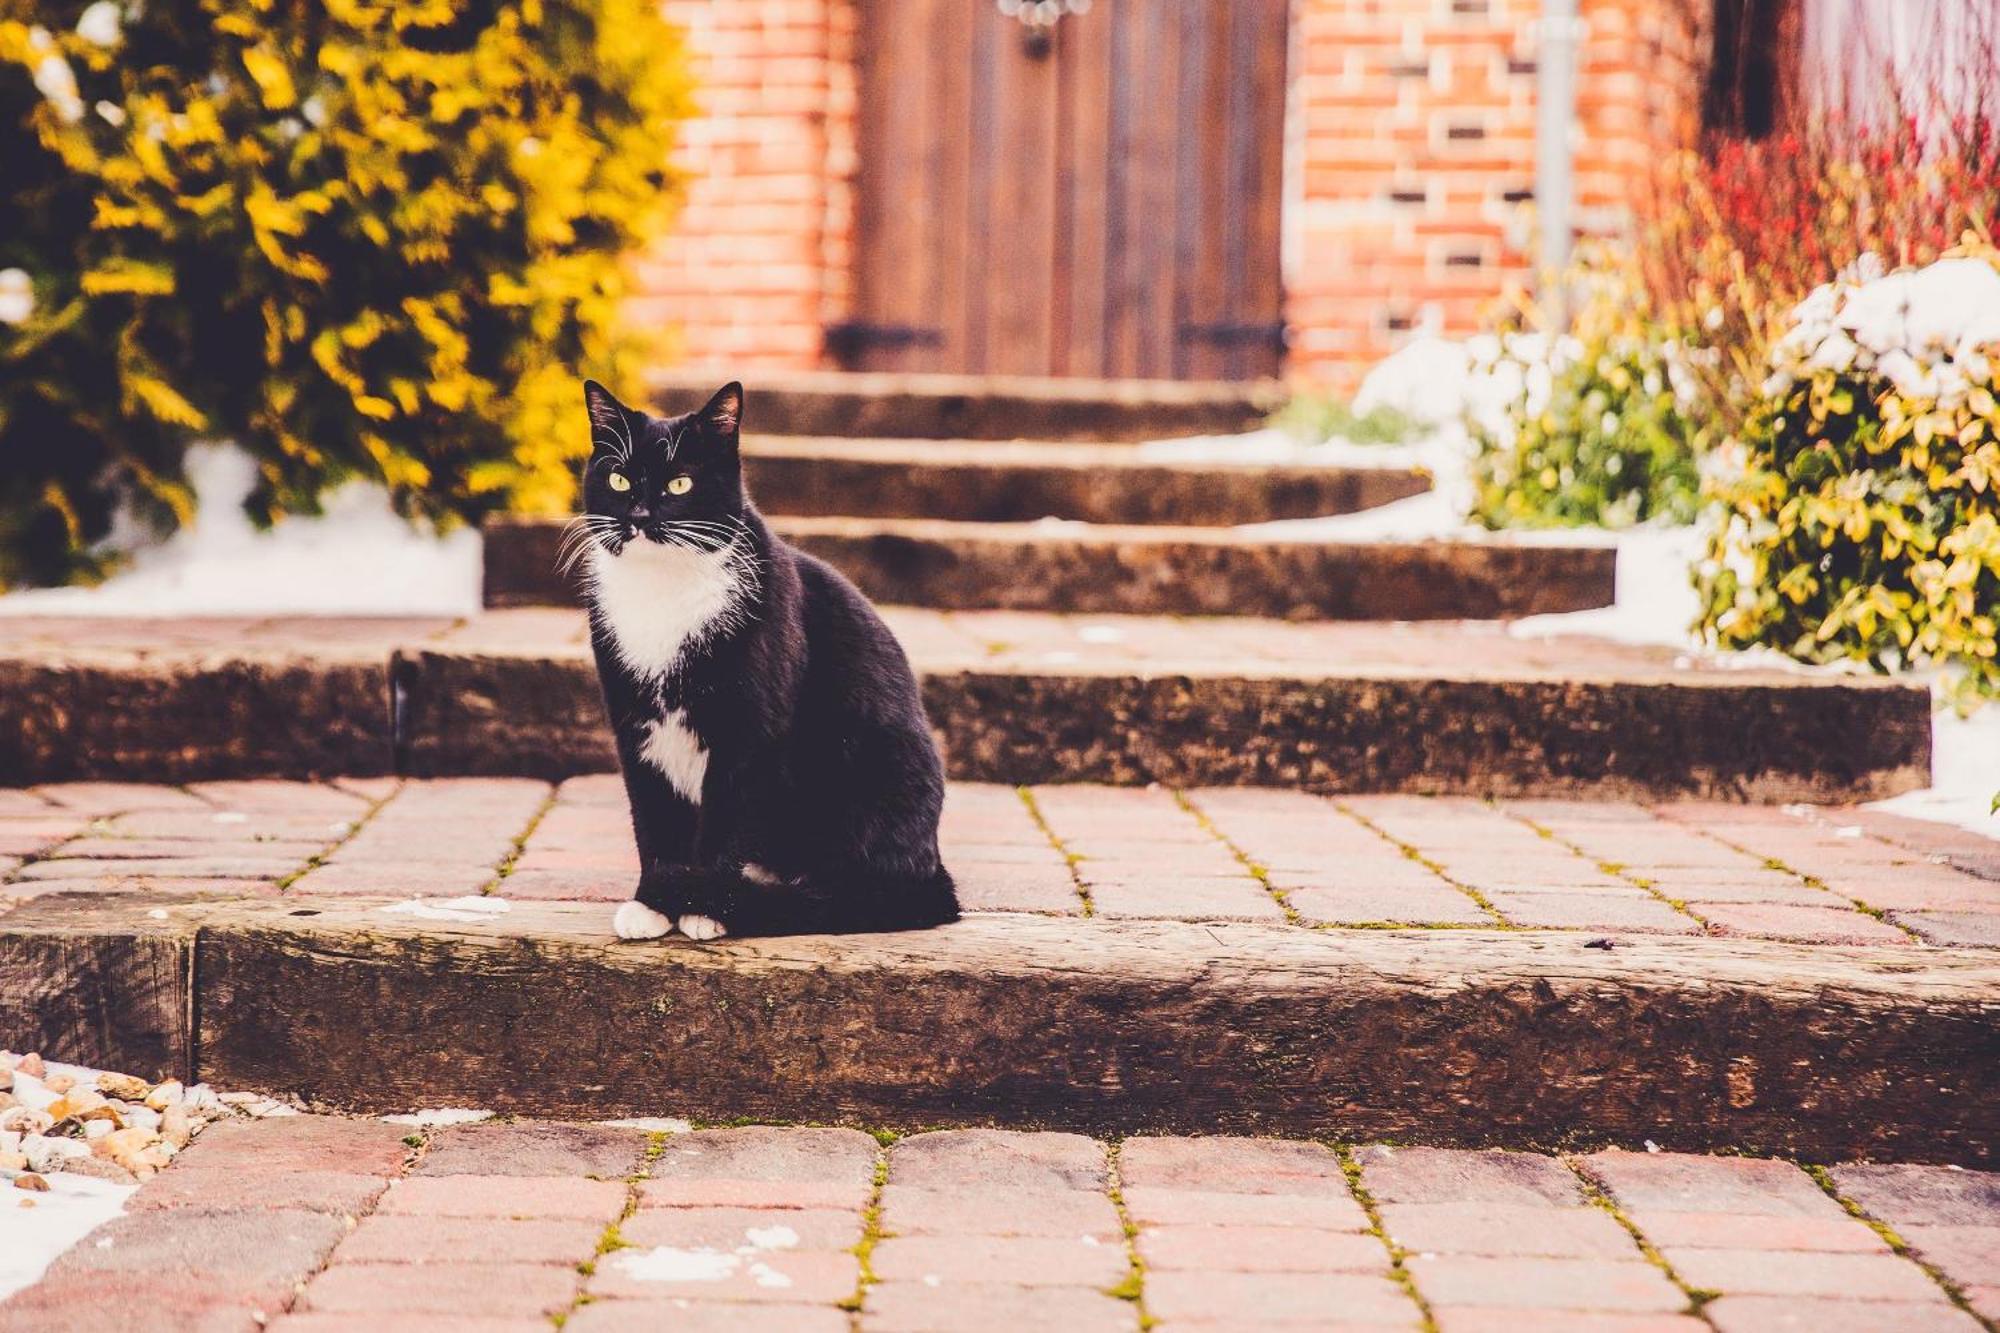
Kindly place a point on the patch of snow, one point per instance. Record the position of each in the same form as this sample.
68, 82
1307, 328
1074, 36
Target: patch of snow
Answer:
36, 1228
357, 558
1965, 774
1655, 602
471, 907
438, 1116
767, 1276
777, 1237
665, 1263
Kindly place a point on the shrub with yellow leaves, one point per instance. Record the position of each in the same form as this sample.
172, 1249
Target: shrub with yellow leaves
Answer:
1862, 507
359, 238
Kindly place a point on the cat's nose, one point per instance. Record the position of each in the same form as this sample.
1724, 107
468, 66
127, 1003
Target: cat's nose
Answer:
639, 513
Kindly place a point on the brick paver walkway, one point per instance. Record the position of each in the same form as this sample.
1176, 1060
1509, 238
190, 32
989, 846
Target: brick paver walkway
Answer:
506, 1228
1814, 876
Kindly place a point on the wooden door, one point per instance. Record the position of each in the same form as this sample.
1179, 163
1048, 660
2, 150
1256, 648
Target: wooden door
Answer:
1098, 198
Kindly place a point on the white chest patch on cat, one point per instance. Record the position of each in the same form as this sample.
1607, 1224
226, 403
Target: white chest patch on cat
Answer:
658, 600
678, 753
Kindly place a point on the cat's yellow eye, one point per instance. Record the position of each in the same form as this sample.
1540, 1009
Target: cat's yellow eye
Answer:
618, 481
680, 485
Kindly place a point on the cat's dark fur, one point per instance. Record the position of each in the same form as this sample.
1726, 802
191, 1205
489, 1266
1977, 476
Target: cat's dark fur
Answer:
764, 715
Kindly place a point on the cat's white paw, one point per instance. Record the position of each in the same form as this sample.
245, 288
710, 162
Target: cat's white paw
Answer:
701, 927
636, 921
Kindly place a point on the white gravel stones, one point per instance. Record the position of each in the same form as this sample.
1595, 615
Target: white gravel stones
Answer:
112, 1126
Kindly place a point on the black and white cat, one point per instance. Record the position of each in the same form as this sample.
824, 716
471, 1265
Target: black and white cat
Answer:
782, 776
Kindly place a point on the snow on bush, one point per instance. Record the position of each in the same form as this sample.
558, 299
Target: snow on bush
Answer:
1862, 503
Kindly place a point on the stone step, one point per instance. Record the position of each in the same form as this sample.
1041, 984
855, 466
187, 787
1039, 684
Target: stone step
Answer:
1016, 697
977, 407
1537, 1039
1138, 570
978, 481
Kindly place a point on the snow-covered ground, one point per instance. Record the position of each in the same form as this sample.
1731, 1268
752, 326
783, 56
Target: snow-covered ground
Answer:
35, 1228
358, 558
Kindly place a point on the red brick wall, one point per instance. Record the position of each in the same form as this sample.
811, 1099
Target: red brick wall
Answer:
1415, 136
758, 261
1409, 179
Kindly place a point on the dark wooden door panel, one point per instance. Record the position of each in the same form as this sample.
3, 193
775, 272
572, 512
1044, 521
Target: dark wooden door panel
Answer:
1102, 201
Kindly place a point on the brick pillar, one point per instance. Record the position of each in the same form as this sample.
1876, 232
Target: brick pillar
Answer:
757, 261
1411, 197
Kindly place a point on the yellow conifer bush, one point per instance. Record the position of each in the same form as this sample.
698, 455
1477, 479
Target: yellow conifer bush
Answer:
358, 238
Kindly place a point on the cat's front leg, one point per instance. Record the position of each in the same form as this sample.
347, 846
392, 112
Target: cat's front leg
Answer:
663, 828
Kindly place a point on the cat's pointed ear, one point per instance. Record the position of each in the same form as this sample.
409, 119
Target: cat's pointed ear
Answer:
610, 423
724, 412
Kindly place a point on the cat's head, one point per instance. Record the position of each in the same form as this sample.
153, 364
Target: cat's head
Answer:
675, 481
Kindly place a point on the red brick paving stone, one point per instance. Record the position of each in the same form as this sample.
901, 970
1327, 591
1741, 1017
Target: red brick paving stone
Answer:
567, 886
387, 879
1275, 1299
1971, 1253
989, 1210
277, 796
774, 1195
1430, 904
1326, 1211
1865, 1277
1041, 853
1231, 1165
375, 1322
1591, 911
1809, 925
987, 887
1518, 1230
102, 848
1730, 1231
790, 1277
86, 1302
31, 837
19, 801
1951, 1218
1686, 1183
256, 1256
1792, 892
505, 1196
1241, 899
990, 1307
1977, 929
1485, 1176
683, 1316
193, 1185
1011, 1158
727, 1229
112, 798
766, 1153
300, 1143
1564, 1321
533, 1149
459, 822
1768, 1314
162, 886
1028, 1261
488, 1289
1259, 1249
196, 827
189, 867
387, 1239
1633, 1285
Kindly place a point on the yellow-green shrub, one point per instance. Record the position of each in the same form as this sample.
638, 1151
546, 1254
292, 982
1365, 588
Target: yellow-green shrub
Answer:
359, 238
1864, 520
1596, 428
